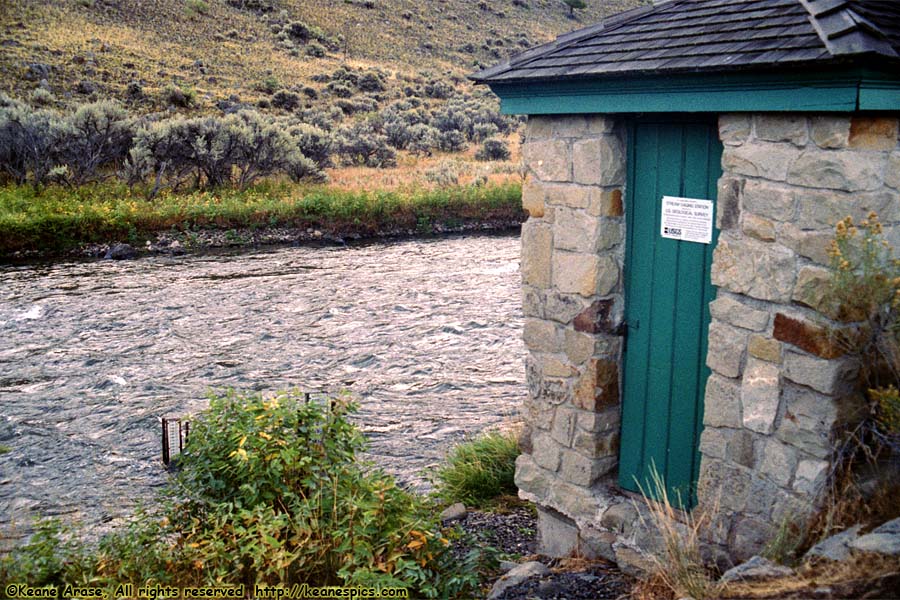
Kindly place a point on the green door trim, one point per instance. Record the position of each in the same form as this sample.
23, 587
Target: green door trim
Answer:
666, 314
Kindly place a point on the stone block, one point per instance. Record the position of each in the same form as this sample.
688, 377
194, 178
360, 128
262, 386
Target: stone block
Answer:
537, 248
531, 478
713, 442
810, 477
582, 470
538, 127
808, 420
849, 171
575, 230
597, 544
557, 534
808, 244
728, 203
830, 131
566, 194
575, 273
782, 128
722, 405
764, 348
760, 395
805, 335
599, 422
750, 536
727, 309
553, 390
596, 445
739, 449
546, 451
579, 346
562, 308
553, 367
598, 387
563, 426
734, 129
542, 336
822, 375
822, 209
606, 203
758, 227
619, 517
576, 126
602, 316
757, 269
599, 161
726, 349
760, 159
532, 302
873, 133
549, 160
892, 174
811, 290
533, 198
769, 200
722, 482
778, 462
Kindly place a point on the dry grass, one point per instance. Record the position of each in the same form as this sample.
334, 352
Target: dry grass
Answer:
158, 41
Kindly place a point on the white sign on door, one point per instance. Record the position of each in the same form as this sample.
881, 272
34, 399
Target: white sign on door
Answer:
687, 219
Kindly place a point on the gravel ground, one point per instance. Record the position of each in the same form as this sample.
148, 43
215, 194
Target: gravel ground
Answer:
514, 534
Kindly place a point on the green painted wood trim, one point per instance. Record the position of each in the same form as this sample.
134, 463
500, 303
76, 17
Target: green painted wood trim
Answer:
841, 91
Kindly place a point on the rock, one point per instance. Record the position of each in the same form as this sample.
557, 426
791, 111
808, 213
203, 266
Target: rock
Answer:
37, 71
86, 87
756, 568
836, 547
120, 252
454, 512
507, 565
760, 392
517, 576
883, 540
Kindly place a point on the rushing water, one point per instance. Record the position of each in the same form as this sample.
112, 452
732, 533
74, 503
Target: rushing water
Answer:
93, 354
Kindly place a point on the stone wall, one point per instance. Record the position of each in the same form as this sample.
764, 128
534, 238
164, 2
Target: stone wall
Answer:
778, 387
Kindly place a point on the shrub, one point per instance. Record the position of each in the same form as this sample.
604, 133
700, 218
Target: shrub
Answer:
313, 142
493, 149
285, 100
439, 89
315, 49
451, 141
98, 136
42, 97
262, 6
269, 492
29, 142
339, 89
479, 469
371, 81
269, 85
362, 145
199, 7
184, 97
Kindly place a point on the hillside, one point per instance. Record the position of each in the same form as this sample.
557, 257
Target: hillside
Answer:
245, 50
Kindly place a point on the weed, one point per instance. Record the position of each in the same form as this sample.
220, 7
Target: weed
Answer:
196, 7
5, 449
480, 469
681, 569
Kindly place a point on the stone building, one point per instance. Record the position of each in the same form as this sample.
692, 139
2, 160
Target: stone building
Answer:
693, 342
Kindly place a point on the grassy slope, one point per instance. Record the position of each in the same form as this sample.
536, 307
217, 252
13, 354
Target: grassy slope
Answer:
157, 42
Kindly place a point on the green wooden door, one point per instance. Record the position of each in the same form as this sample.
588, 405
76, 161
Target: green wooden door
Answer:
668, 291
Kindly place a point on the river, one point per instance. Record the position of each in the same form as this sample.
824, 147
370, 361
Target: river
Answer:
426, 333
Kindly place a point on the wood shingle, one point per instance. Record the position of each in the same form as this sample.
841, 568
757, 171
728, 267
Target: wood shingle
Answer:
694, 36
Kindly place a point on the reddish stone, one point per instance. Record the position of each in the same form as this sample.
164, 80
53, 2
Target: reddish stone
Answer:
616, 208
598, 387
815, 339
597, 318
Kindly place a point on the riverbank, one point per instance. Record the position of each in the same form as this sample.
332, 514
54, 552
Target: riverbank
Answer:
91, 220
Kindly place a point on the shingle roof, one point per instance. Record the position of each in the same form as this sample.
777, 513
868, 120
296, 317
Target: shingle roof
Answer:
714, 35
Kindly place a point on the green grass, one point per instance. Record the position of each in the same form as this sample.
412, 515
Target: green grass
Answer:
479, 470
5, 449
57, 219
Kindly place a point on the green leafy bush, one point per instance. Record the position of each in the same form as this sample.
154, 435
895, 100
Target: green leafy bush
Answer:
480, 469
269, 492
493, 149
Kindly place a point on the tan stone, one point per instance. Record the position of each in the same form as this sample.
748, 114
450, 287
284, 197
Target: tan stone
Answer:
873, 133
849, 170
769, 200
563, 194
812, 290
830, 131
594, 446
757, 269
575, 273
575, 230
598, 386
607, 275
760, 394
541, 336
757, 227
782, 128
553, 367
607, 203
549, 160
892, 173
734, 129
533, 198
579, 346
599, 161
538, 127
761, 159
764, 348
537, 249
